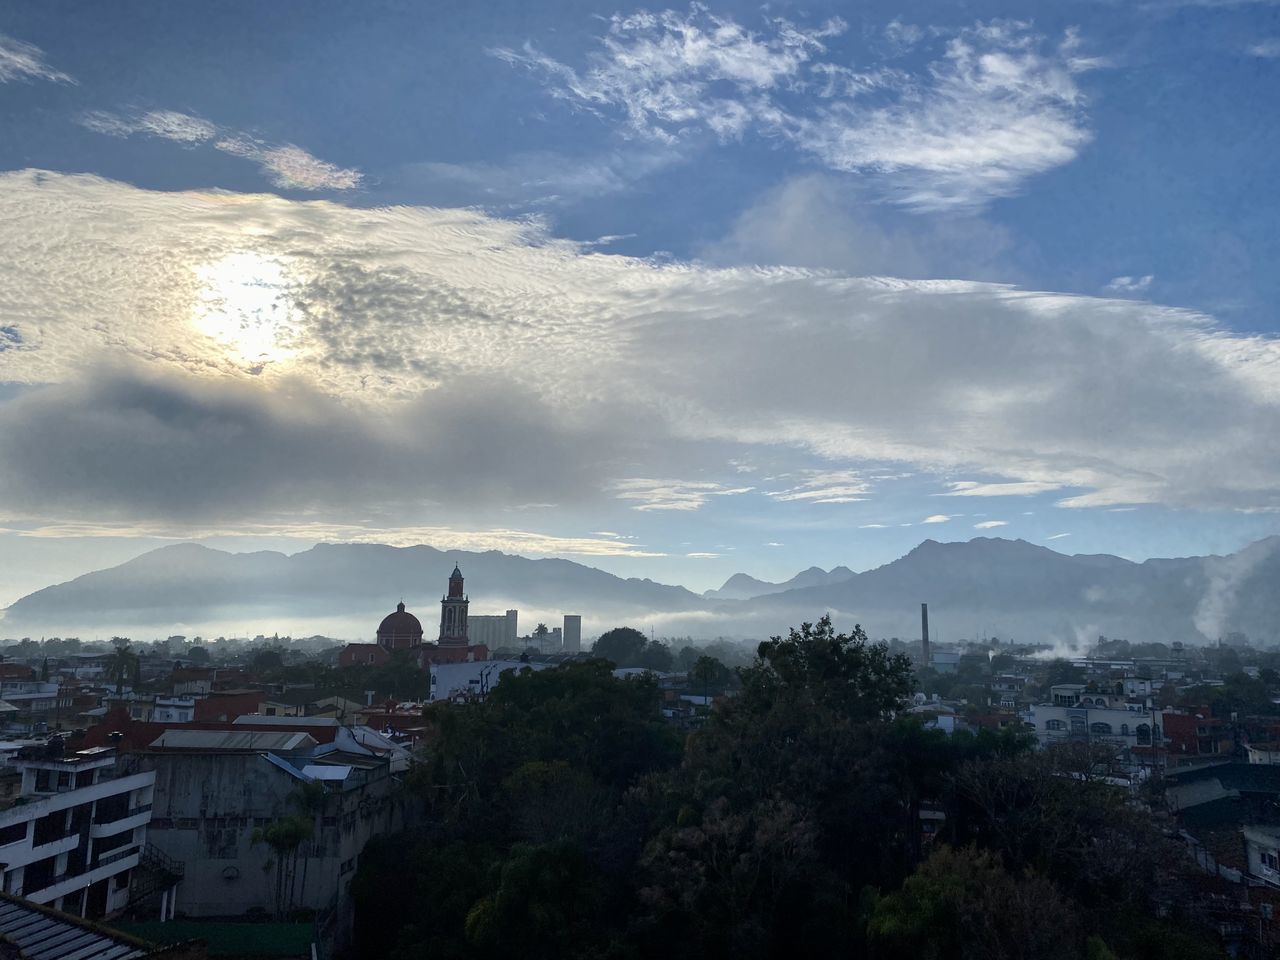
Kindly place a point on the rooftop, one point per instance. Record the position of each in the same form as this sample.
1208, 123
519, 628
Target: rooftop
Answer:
243, 740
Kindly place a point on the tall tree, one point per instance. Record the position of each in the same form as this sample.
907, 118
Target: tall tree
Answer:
123, 665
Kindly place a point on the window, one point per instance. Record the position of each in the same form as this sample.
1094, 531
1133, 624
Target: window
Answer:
1100, 729
1077, 725
1054, 725
14, 833
1144, 733
1124, 729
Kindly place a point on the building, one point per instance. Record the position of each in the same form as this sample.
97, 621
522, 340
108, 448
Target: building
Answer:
399, 630
214, 788
474, 679
572, 633
496, 631
1076, 714
79, 833
402, 631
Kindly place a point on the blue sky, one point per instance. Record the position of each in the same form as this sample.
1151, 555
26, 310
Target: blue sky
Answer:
673, 291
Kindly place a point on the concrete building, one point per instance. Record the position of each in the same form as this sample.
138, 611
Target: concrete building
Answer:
495, 631
1124, 724
572, 633
214, 788
79, 833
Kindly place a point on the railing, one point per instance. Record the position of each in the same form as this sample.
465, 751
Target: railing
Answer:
109, 817
114, 856
154, 857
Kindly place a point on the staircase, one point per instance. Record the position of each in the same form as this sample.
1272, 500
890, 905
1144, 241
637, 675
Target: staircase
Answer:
156, 871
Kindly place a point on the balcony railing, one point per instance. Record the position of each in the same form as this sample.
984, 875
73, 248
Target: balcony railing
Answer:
110, 817
114, 856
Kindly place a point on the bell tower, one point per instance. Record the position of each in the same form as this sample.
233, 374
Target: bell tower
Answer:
453, 613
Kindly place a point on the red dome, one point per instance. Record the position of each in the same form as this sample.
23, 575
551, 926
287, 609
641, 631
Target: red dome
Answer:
399, 630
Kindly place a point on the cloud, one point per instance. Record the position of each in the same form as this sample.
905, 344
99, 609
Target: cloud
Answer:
990, 524
704, 556
130, 443
1058, 536
998, 104
873, 526
1022, 488
672, 494
1267, 49
1131, 284
287, 166
25, 61
823, 220
404, 326
524, 542
936, 518
825, 486
290, 166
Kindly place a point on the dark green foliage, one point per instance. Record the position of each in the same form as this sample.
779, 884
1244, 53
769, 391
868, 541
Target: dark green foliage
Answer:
566, 820
622, 646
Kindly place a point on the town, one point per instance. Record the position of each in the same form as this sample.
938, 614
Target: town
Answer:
187, 791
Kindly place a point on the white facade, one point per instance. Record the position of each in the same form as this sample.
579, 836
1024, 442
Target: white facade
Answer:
74, 841
494, 631
1129, 725
449, 680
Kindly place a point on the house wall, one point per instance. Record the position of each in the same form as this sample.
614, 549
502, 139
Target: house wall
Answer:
208, 805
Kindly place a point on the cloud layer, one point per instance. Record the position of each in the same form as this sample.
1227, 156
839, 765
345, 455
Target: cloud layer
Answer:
286, 165
215, 354
998, 103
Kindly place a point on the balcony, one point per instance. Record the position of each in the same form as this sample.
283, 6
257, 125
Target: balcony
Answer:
75, 880
51, 848
137, 817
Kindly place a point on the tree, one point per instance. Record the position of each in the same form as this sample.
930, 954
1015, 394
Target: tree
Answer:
621, 645
963, 905
198, 655
710, 675
656, 656
123, 665
285, 838
265, 660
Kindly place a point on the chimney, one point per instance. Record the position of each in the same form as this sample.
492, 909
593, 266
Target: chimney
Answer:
924, 634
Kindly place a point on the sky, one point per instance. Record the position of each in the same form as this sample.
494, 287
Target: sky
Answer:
673, 291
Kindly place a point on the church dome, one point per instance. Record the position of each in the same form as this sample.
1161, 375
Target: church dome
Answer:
399, 629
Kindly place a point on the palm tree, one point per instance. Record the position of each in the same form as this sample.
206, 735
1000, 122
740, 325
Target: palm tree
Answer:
123, 664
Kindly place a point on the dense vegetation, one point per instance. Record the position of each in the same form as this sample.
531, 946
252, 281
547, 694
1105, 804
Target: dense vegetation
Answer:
565, 819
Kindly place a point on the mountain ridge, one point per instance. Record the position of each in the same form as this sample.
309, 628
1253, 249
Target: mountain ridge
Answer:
988, 585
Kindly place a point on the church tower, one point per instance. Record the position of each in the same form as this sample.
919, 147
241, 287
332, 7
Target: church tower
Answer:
453, 613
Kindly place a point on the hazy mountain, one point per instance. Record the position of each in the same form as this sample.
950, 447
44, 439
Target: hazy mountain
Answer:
742, 586
1007, 588
349, 585
1011, 588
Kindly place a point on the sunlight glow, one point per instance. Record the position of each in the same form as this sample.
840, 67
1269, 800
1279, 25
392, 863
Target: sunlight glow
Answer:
243, 302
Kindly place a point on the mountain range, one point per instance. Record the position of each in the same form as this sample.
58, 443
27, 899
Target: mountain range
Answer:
1007, 588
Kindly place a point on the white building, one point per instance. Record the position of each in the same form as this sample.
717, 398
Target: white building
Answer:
450, 680
494, 631
1079, 714
80, 832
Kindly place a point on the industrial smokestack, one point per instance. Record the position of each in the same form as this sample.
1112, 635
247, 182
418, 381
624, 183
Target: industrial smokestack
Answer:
924, 633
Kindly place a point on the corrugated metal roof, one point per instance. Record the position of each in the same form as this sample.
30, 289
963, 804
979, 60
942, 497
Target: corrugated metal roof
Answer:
257, 720
46, 935
232, 740
318, 771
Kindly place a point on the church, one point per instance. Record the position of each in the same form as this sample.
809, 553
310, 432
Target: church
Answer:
401, 630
